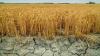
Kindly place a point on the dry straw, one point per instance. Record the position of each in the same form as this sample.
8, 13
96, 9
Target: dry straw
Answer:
48, 21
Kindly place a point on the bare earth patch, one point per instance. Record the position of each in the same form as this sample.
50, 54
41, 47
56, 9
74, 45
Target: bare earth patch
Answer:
32, 46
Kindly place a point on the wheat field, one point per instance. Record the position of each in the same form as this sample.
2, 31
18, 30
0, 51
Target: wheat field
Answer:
49, 20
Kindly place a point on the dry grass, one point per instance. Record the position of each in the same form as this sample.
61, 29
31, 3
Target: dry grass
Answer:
49, 20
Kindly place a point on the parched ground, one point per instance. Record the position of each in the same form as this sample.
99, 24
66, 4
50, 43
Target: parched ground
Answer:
32, 46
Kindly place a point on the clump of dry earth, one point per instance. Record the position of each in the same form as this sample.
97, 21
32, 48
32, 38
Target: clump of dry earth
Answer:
60, 46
